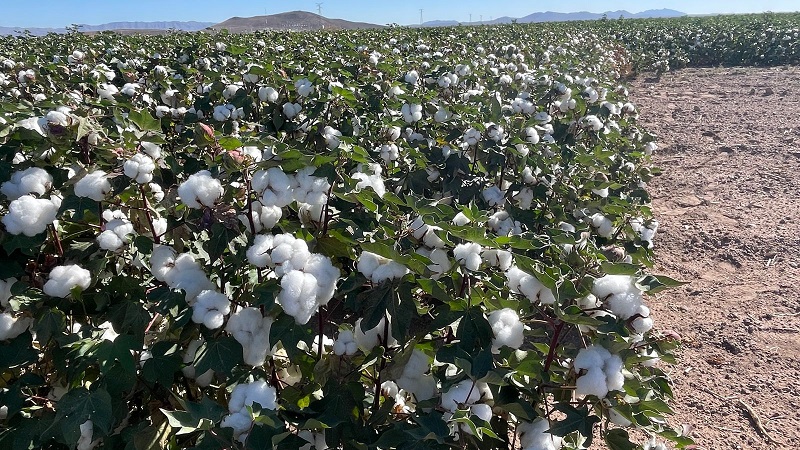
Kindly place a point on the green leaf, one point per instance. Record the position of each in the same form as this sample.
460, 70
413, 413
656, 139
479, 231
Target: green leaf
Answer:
144, 120
79, 205
618, 439
286, 330
619, 268
230, 143
185, 422
50, 323
18, 352
474, 331
220, 238
220, 354
575, 419
657, 283
79, 405
161, 367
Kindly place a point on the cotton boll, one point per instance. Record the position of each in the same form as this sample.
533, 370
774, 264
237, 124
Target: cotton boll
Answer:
251, 330
210, 309
440, 261
534, 436
152, 150
378, 269
5, 291
620, 294
460, 219
244, 395
29, 215
289, 253
94, 185
617, 418
503, 224
643, 322
63, 279
189, 370
593, 382
389, 152
268, 94
612, 368
603, 225
140, 168
162, 261
494, 196
11, 326
200, 189
369, 175
298, 295
345, 344
507, 329
240, 423
370, 339
528, 285
468, 255
426, 233
590, 357
33, 180
85, 441
502, 259
411, 113
463, 393
191, 281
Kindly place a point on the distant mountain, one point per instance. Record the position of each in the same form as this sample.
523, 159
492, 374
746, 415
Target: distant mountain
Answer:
551, 16
115, 26
295, 20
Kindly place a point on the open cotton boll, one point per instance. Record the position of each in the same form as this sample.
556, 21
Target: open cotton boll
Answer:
304, 87
503, 224
32, 180
378, 269
316, 440
289, 253
267, 94
345, 344
332, 137
263, 217
524, 283
642, 322
274, 186
414, 378
371, 178
210, 308
440, 261
200, 189
140, 168
507, 329
389, 152
468, 255
480, 410
251, 329
600, 371
411, 112
162, 261
189, 370
244, 395
5, 291
63, 279
259, 253
460, 219
619, 293
370, 339
117, 230
603, 225
85, 441
29, 215
192, 281
426, 233
502, 259
298, 296
240, 423
464, 393
493, 195
94, 185
11, 326
593, 382
152, 150
290, 110
534, 436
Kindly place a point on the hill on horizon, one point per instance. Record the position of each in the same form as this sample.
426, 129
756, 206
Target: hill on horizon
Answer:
550, 16
293, 20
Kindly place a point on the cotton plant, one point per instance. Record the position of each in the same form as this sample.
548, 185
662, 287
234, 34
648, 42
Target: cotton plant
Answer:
599, 372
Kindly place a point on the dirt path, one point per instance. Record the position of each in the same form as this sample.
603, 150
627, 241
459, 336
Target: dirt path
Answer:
728, 205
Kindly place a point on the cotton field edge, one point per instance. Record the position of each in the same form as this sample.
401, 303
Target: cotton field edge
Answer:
399, 238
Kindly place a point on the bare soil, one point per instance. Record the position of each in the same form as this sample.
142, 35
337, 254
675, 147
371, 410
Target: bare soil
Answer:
728, 204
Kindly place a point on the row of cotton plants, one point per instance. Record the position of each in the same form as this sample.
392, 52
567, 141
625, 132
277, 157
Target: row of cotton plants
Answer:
378, 239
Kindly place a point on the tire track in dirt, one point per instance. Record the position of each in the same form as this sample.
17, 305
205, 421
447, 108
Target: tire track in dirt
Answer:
728, 204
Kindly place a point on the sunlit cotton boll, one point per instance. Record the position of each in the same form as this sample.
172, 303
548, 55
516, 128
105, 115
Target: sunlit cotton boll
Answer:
378, 269
367, 340
29, 215
11, 326
107, 91
152, 150
263, 217
63, 279
200, 189
33, 180
468, 255
117, 230
507, 329
94, 185
603, 225
290, 110
521, 282
411, 112
502, 259
493, 195
472, 136
426, 233
304, 87
620, 294
331, 136
267, 94
534, 436
372, 180
345, 344
411, 77
251, 330
210, 309
140, 168
244, 395
601, 371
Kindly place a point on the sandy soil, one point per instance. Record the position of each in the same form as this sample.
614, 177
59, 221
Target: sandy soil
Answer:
728, 206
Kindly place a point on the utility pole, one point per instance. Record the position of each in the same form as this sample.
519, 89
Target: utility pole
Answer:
481, 22
319, 9
470, 18
420, 16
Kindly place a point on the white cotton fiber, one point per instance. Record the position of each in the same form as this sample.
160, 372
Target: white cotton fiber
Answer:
210, 308
200, 189
600, 371
502, 259
415, 379
117, 230
29, 215
370, 176
460, 219
524, 283
593, 382
33, 180
140, 168
468, 255
63, 279
289, 253
94, 185
259, 253
534, 436
426, 234
202, 380
603, 225
465, 393
251, 329
370, 339
619, 293
378, 269
11, 326
345, 344
162, 261
507, 329
244, 395
5, 291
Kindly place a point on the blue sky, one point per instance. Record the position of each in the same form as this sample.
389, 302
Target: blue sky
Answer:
59, 13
